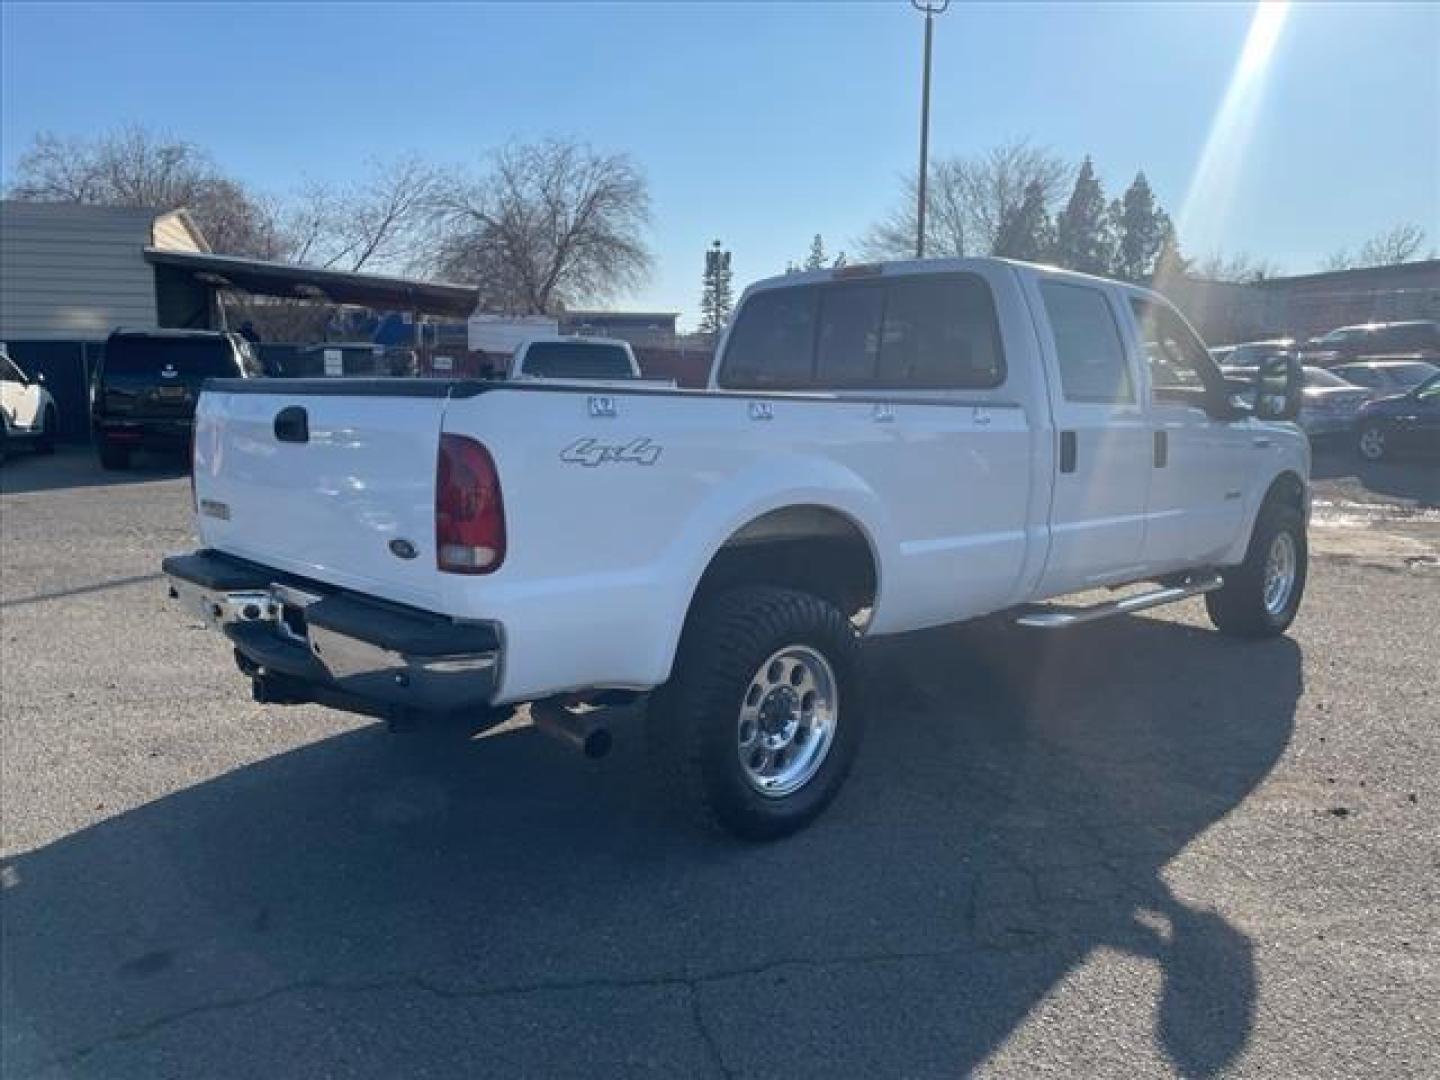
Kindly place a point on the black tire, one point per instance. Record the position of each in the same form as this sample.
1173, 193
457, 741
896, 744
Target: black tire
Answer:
694, 719
1370, 444
45, 441
114, 457
1238, 608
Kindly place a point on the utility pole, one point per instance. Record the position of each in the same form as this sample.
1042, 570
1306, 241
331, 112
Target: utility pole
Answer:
931, 8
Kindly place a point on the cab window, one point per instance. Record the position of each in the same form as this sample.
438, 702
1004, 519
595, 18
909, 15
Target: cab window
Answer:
1088, 346
1181, 369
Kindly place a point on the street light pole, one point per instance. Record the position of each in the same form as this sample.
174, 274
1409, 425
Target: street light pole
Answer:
931, 8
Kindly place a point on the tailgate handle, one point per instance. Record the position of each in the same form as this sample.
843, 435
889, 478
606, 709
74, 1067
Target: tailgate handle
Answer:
292, 425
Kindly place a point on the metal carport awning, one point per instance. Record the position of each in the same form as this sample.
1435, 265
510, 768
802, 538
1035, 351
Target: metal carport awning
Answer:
263, 278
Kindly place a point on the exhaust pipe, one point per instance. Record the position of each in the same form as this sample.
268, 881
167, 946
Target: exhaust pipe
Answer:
586, 731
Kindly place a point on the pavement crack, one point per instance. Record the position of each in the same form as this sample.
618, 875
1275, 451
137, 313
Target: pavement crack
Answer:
706, 1036
691, 984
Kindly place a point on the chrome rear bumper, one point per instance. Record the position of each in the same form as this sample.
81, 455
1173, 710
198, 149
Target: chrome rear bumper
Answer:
379, 653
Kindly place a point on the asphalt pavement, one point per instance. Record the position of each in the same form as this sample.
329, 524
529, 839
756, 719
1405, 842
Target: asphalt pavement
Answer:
1134, 849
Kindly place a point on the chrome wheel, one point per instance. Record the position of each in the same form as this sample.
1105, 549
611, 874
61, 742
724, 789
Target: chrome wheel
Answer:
787, 721
1280, 566
1372, 444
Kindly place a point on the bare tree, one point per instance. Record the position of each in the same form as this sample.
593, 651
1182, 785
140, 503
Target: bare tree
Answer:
377, 222
1239, 268
967, 200
1401, 244
137, 167
548, 224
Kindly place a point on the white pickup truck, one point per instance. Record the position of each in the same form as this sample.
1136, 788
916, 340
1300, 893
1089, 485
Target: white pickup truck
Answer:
880, 449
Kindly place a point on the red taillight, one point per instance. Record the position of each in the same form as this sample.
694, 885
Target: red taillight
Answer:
469, 510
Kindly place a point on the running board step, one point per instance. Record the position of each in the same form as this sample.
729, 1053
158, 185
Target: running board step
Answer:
1051, 619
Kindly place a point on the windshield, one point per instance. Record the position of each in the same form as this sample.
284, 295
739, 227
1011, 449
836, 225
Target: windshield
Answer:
198, 357
577, 360
1412, 374
1316, 377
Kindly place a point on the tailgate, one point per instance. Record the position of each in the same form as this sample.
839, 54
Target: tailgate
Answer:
346, 496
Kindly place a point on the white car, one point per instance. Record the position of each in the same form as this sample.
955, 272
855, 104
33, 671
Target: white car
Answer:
29, 412
880, 449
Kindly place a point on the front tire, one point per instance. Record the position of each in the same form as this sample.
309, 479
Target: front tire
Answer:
45, 441
1371, 443
763, 715
1261, 596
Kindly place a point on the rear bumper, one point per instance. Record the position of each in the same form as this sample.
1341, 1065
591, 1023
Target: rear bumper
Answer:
340, 645
166, 433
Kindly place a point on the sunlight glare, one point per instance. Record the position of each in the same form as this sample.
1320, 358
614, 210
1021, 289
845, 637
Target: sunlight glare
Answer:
1212, 189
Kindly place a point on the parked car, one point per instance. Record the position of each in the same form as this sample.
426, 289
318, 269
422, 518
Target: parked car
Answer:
1419, 337
144, 391
1402, 424
1329, 404
1250, 353
1386, 377
880, 449
28, 410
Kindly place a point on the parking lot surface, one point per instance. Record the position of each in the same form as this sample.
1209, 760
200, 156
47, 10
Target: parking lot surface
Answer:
1135, 849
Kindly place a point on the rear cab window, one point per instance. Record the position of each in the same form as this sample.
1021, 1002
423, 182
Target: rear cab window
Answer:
577, 360
919, 332
195, 357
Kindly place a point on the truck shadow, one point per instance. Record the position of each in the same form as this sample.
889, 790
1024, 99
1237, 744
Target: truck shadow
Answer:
487, 906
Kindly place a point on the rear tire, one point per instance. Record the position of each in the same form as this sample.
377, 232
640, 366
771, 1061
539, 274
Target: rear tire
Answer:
45, 441
114, 457
1261, 596
763, 715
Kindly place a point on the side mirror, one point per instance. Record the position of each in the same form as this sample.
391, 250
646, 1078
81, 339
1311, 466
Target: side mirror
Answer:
1278, 387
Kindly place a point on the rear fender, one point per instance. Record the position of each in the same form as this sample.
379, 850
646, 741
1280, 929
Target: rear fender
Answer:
776, 484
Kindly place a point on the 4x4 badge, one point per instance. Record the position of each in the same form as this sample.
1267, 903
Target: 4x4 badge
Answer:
592, 452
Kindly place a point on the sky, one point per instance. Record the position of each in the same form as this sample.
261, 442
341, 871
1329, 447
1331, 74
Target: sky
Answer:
762, 124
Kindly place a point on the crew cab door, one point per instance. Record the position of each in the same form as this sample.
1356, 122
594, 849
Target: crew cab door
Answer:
1204, 460
1103, 451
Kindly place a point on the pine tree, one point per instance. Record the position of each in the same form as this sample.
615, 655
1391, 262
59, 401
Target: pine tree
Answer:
816, 259
716, 294
1140, 229
1026, 232
1082, 240
1170, 264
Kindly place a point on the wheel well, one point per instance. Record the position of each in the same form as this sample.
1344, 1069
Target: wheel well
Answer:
810, 548
1287, 489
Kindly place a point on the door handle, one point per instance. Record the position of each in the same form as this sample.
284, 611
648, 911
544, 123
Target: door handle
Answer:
1262, 443
1162, 449
1068, 451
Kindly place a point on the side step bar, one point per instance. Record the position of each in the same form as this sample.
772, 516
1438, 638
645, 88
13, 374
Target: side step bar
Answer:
1050, 619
